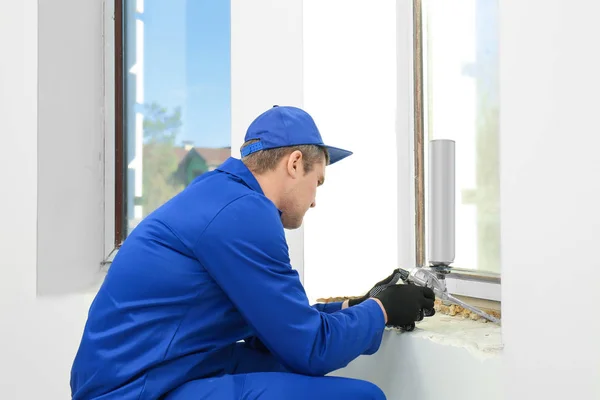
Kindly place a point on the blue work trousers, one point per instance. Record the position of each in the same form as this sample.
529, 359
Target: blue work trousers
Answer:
257, 375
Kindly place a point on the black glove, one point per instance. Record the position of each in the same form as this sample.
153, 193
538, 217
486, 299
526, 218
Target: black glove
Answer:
379, 286
406, 304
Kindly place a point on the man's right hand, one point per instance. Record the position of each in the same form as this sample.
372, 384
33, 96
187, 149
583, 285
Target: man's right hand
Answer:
405, 304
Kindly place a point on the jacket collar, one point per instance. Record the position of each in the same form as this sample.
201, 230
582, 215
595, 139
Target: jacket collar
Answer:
237, 168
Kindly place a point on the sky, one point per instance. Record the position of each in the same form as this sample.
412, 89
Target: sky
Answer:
187, 64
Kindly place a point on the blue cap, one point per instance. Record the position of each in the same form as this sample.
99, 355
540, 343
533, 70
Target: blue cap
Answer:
287, 126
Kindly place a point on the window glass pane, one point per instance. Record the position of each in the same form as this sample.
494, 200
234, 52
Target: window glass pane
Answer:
461, 102
177, 98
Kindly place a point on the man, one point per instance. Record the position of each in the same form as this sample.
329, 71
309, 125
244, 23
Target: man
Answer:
201, 301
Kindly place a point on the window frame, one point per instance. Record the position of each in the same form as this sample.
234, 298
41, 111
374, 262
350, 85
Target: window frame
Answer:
114, 146
461, 281
115, 143
119, 125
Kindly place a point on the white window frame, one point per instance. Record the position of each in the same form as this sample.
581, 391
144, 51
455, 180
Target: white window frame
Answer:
109, 131
69, 84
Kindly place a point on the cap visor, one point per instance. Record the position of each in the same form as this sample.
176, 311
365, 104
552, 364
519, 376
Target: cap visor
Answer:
336, 154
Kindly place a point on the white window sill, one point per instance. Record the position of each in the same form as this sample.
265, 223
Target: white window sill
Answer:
481, 339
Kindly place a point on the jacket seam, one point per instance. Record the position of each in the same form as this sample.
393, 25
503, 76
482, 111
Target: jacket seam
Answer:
191, 246
194, 245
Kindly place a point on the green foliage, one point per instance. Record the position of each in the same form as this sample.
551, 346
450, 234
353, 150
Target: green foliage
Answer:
161, 128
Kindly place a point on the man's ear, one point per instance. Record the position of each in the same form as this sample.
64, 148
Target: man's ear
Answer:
294, 164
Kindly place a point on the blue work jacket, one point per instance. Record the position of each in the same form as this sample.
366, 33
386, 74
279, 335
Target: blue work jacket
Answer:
206, 270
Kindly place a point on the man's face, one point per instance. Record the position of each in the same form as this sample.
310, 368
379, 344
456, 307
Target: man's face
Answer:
301, 193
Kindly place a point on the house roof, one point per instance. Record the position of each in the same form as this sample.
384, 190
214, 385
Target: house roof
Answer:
180, 152
212, 156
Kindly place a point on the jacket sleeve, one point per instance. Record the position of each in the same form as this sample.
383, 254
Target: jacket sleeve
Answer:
245, 251
328, 307
255, 343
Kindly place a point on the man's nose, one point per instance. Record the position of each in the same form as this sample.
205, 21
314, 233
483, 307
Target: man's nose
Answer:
314, 204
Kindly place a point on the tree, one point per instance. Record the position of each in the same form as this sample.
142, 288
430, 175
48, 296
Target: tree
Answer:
160, 160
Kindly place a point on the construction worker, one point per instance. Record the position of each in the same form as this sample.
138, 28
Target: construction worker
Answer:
201, 301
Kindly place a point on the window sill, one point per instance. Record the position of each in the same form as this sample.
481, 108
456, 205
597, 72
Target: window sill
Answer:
481, 339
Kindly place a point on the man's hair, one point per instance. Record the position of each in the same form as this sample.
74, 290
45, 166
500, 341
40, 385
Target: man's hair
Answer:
267, 160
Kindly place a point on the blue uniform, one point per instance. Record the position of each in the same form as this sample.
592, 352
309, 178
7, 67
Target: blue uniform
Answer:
201, 297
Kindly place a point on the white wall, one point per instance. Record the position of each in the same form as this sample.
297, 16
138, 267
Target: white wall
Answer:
70, 144
350, 89
550, 186
39, 336
549, 183
412, 366
266, 70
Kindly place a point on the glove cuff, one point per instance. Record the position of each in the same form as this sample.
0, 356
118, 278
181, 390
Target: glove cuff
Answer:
353, 302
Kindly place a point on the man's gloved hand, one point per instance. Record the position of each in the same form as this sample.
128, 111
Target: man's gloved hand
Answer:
379, 286
406, 304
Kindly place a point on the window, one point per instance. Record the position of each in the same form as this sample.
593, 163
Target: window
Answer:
173, 103
457, 98
173, 114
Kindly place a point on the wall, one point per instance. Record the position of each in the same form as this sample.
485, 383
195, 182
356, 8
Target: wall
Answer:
70, 147
266, 70
549, 198
39, 335
443, 358
350, 89
550, 186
